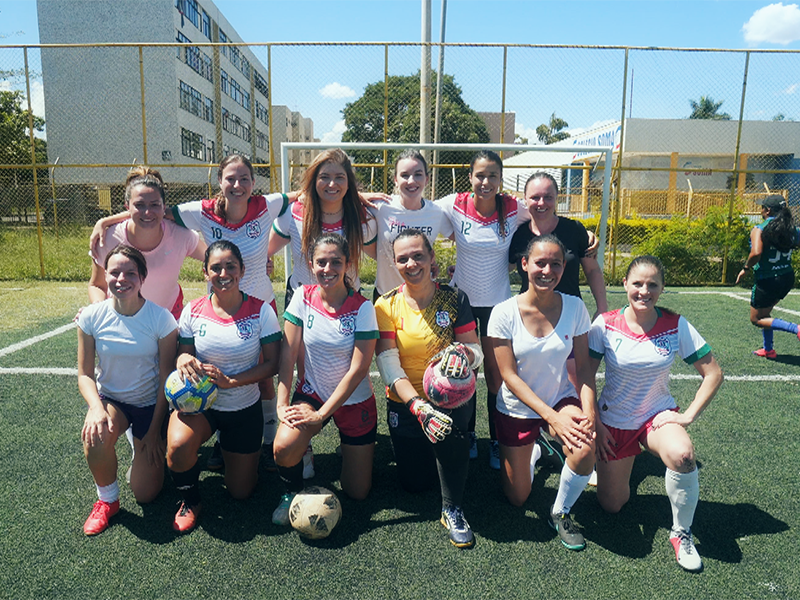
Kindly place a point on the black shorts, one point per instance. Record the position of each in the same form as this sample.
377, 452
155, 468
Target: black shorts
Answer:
481, 315
139, 417
769, 291
241, 430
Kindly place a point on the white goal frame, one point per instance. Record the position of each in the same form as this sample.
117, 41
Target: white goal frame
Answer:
608, 151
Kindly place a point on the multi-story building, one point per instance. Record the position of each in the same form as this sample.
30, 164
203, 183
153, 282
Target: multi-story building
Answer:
200, 103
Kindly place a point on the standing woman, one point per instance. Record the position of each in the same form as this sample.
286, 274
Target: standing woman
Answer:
331, 204
134, 340
416, 321
541, 195
483, 223
335, 329
533, 334
234, 339
639, 343
234, 214
163, 244
405, 210
771, 245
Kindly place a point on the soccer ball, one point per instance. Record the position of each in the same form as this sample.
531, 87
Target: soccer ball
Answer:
447, 392
314, 512
187, 397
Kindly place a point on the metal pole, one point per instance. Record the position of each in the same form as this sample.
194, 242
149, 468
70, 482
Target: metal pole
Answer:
53, 191
269, 108
385, 115
33, 164
437, 122
425, 76
619, 156
144, 118
735, 165
503, 102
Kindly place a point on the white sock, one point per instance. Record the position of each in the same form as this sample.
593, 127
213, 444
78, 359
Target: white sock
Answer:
570, 488
683, 491
218, 436
108, 493
129, 435
535, 455
270, 409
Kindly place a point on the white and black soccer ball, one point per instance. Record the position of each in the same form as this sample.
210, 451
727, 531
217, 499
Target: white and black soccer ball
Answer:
314, 512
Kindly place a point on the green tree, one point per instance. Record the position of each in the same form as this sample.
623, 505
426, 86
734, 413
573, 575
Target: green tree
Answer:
550, 133
364, 118
15, 146
708, 108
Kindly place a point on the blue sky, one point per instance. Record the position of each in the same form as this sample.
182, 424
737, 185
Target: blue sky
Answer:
677, 23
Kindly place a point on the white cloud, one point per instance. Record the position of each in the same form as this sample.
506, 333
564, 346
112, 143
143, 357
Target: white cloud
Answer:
335, 134
337, 91
774, 24
526, 132
790, 90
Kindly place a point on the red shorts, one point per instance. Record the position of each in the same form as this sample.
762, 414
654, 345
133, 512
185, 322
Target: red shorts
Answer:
630, 441
177, 308
514, 431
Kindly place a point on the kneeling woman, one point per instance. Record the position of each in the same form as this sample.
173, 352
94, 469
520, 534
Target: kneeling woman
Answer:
416, 321
222, 335
639, 343
533, 335
134, 340
336, 329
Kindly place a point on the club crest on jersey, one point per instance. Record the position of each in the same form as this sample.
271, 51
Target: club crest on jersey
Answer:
506, 229
442, 318
662, 345
253, 229
244, 329
347, 325
307, 389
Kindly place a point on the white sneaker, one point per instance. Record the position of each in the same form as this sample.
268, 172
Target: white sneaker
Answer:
280, 515
308, 463
535, 455
494, 455
685, 552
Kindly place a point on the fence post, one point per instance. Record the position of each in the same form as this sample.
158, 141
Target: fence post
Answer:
735, 169
271, 139
619, 155
503, 101
144, 119
385, 115
33, 164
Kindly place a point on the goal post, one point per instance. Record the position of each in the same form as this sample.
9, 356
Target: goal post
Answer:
606, 151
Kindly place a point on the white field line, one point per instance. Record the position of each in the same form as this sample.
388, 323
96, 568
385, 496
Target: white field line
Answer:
31, 341
374, 374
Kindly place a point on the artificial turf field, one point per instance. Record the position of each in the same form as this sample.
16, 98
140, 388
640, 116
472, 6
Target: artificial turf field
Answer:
392, 545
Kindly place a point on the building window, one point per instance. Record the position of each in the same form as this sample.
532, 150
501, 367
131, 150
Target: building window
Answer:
223, 39
261, 84
223, 84
211, 152
234, 56
208, 110
206, 25
262, 113
245, 132
198, 60
245, 68
262, 140
246, 99
192, 144
188, 8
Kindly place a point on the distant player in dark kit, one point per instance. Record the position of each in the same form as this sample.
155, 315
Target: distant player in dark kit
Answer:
771, 245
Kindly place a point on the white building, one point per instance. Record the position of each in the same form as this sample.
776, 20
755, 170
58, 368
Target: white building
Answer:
201, 103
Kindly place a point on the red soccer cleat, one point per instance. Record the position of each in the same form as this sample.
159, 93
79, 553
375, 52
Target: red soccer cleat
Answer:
98, 518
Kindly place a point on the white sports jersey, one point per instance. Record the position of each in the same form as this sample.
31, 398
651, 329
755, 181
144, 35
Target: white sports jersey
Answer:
232, 345
481, 251
541, 362
127, 349
251, 235
290, 225
637, 366
392, 218
329, 339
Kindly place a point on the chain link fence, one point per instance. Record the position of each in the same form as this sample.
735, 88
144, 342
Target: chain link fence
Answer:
700, 135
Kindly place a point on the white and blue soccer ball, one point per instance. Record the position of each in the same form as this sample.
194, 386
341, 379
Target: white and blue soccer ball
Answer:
187, 397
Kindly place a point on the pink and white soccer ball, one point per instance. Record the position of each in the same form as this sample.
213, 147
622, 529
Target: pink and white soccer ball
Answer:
447, 392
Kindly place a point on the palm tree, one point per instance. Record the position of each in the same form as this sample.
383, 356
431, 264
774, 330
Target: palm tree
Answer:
550, 133
707, 108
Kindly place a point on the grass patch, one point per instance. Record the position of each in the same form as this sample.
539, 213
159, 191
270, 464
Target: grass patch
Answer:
391, 545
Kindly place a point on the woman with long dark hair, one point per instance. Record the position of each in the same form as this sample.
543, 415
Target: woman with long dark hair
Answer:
771, 245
